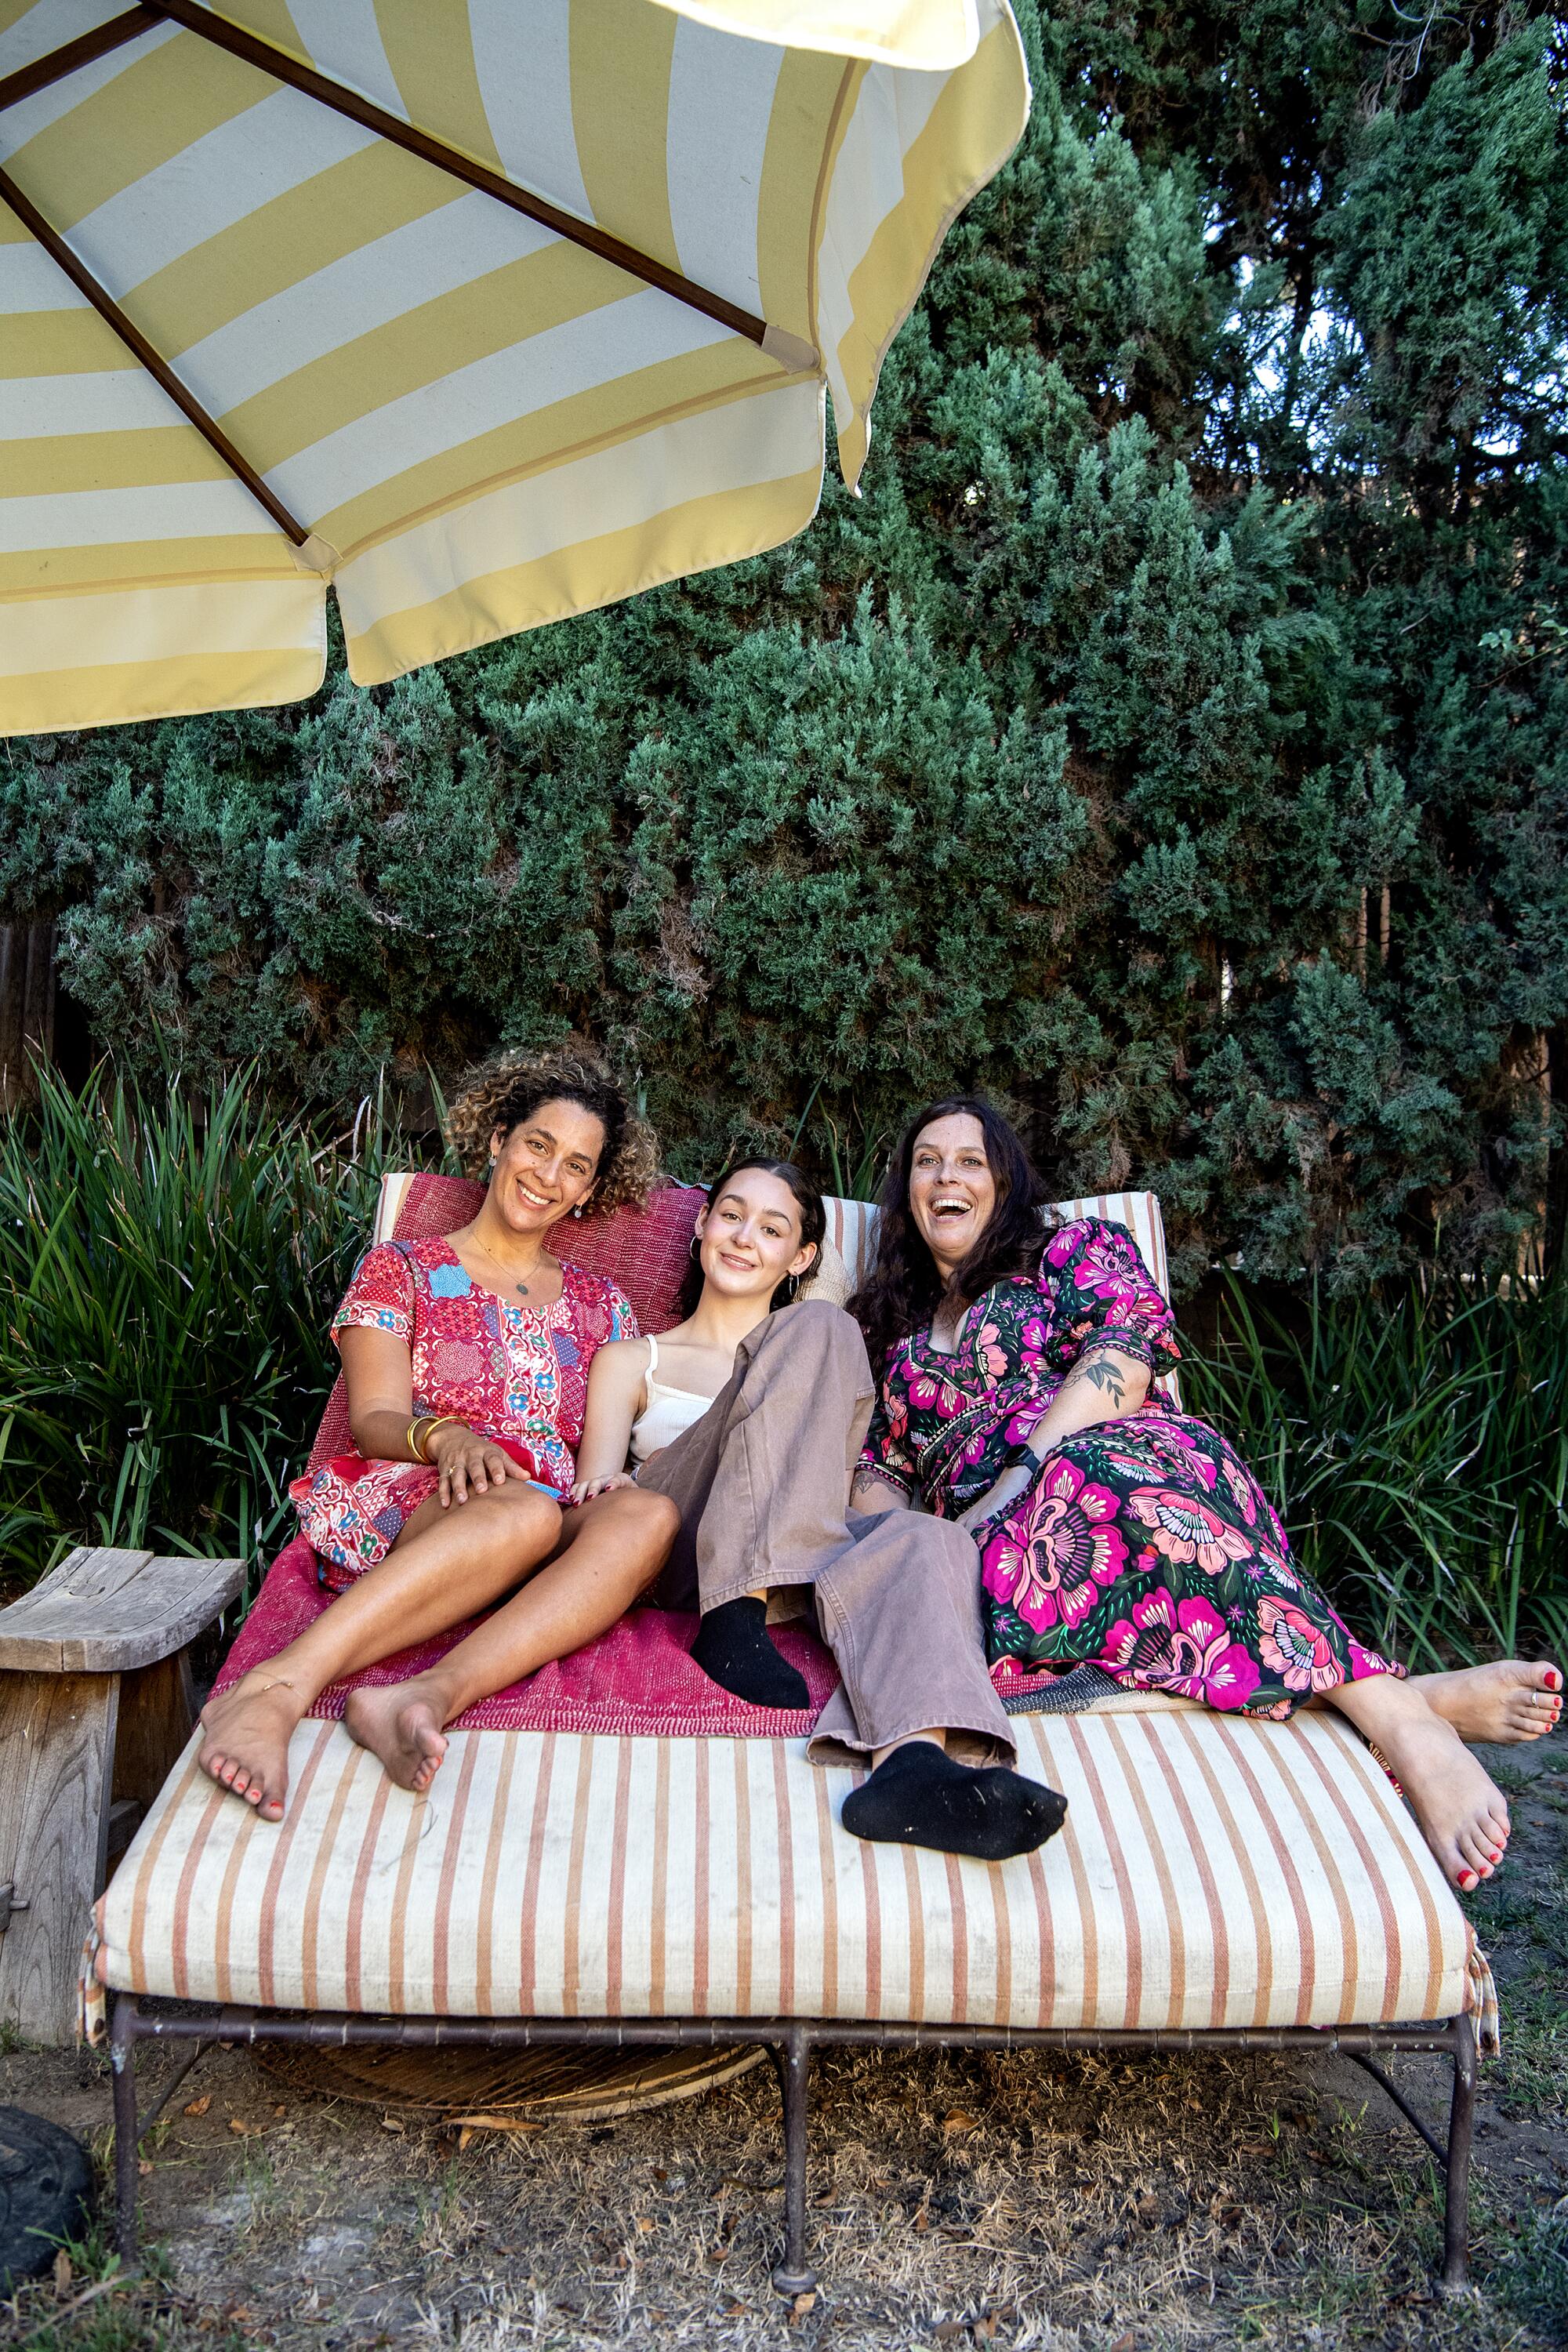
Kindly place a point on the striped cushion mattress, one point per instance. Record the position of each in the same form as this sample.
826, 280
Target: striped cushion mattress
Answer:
1211, 1873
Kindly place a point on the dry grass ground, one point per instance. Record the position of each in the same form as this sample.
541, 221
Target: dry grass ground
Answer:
957, 2200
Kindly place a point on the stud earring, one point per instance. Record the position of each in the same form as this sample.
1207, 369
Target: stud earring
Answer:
578, 1210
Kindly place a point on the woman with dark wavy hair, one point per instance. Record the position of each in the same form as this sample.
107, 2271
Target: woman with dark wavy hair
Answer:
1017, 1368
465, 1360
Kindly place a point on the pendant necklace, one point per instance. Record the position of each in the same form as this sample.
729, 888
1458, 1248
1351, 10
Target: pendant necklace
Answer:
521, 1288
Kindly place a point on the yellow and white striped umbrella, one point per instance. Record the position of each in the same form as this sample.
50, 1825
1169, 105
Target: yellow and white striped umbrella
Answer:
483, 312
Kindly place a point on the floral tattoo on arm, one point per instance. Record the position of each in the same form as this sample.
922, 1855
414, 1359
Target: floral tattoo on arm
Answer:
1103, 1374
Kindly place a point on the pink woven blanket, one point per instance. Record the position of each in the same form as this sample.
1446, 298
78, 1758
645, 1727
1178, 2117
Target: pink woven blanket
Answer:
636, 1678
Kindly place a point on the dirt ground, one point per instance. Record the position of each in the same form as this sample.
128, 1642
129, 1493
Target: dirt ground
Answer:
956, 2199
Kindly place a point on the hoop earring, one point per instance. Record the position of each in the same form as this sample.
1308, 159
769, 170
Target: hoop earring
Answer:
694, 1249
578, 1210
792, 1284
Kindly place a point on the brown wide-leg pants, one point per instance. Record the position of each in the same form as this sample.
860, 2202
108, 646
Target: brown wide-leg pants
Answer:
763, 1483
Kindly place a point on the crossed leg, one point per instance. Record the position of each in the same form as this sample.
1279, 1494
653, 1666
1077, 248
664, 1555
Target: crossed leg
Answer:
1422, 1723
445, 1566
1505, 1701
609, 1550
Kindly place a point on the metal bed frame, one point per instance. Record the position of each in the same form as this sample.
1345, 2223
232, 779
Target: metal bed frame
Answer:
790, 2041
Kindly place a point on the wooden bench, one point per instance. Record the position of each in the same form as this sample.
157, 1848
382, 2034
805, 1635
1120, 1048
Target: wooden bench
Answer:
96, 1703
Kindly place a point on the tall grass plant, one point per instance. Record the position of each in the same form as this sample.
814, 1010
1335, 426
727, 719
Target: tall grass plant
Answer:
170, 1257
1416, 1439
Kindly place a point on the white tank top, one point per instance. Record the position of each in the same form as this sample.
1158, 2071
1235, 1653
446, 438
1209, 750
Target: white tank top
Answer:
667, 1412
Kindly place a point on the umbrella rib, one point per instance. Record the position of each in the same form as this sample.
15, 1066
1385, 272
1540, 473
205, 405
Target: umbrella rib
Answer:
194, 18
83, 51
156, 365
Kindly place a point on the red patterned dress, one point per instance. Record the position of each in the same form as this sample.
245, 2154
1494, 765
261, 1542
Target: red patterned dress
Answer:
514, 1373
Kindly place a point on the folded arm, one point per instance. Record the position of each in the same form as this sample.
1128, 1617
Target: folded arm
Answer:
1105, 1384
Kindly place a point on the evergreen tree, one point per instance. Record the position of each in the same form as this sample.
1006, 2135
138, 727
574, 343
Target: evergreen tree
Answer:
1172, 739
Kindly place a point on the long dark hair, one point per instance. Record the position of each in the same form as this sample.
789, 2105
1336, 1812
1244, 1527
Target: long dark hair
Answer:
903, 1289
813, 1225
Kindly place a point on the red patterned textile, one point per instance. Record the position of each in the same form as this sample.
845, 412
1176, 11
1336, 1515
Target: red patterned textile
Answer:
637, 1678
645, 1251
437, 1204
516, 1373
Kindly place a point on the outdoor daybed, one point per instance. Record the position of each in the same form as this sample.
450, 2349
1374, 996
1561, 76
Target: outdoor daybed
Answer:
602, 1858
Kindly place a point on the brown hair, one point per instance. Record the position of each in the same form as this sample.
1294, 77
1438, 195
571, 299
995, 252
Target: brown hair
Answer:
511, 1087
812, 1227
903, 1289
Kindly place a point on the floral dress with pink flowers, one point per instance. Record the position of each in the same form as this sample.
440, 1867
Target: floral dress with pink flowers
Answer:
1145, 1545
517, 1374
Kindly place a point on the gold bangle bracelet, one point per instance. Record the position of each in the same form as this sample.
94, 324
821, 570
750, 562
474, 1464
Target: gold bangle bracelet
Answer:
423, 1429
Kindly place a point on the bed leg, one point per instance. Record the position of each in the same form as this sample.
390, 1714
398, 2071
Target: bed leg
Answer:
1461, 2136
792, 2276
122, 2063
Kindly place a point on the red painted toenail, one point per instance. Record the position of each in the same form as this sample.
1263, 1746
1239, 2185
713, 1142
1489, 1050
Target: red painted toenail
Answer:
1553, 1679
1466, 1880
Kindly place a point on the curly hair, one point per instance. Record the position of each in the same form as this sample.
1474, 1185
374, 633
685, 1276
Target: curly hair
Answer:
903, 1289
511, 1089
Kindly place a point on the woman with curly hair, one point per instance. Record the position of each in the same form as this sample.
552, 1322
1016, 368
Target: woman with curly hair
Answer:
465, 1360
1017, 1368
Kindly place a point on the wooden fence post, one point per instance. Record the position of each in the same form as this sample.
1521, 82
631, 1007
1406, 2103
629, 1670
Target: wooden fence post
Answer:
26, 1007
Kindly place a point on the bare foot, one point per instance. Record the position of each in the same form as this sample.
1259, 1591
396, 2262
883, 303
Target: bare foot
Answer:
402, 1724
1462, 1812
246, 1743
1509, 1700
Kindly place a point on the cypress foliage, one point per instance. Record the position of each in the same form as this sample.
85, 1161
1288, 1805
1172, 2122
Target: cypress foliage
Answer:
1174, 739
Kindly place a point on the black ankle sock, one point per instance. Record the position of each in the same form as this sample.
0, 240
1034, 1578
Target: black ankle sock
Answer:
918, 1796
733, 1650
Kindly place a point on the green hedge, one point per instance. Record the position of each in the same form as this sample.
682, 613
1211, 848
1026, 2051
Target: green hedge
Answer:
1175, 738
1416, 1439
169, 1263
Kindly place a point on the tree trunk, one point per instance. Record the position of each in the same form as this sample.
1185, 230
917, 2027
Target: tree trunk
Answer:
26, 1007
1556, 1235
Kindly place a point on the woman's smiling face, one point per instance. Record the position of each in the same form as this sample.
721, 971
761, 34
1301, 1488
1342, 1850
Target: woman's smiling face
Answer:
750, 1237
545, 1168
952, 1189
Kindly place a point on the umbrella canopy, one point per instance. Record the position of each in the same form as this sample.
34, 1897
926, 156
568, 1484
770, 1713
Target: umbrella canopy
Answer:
934, 33
482, 312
